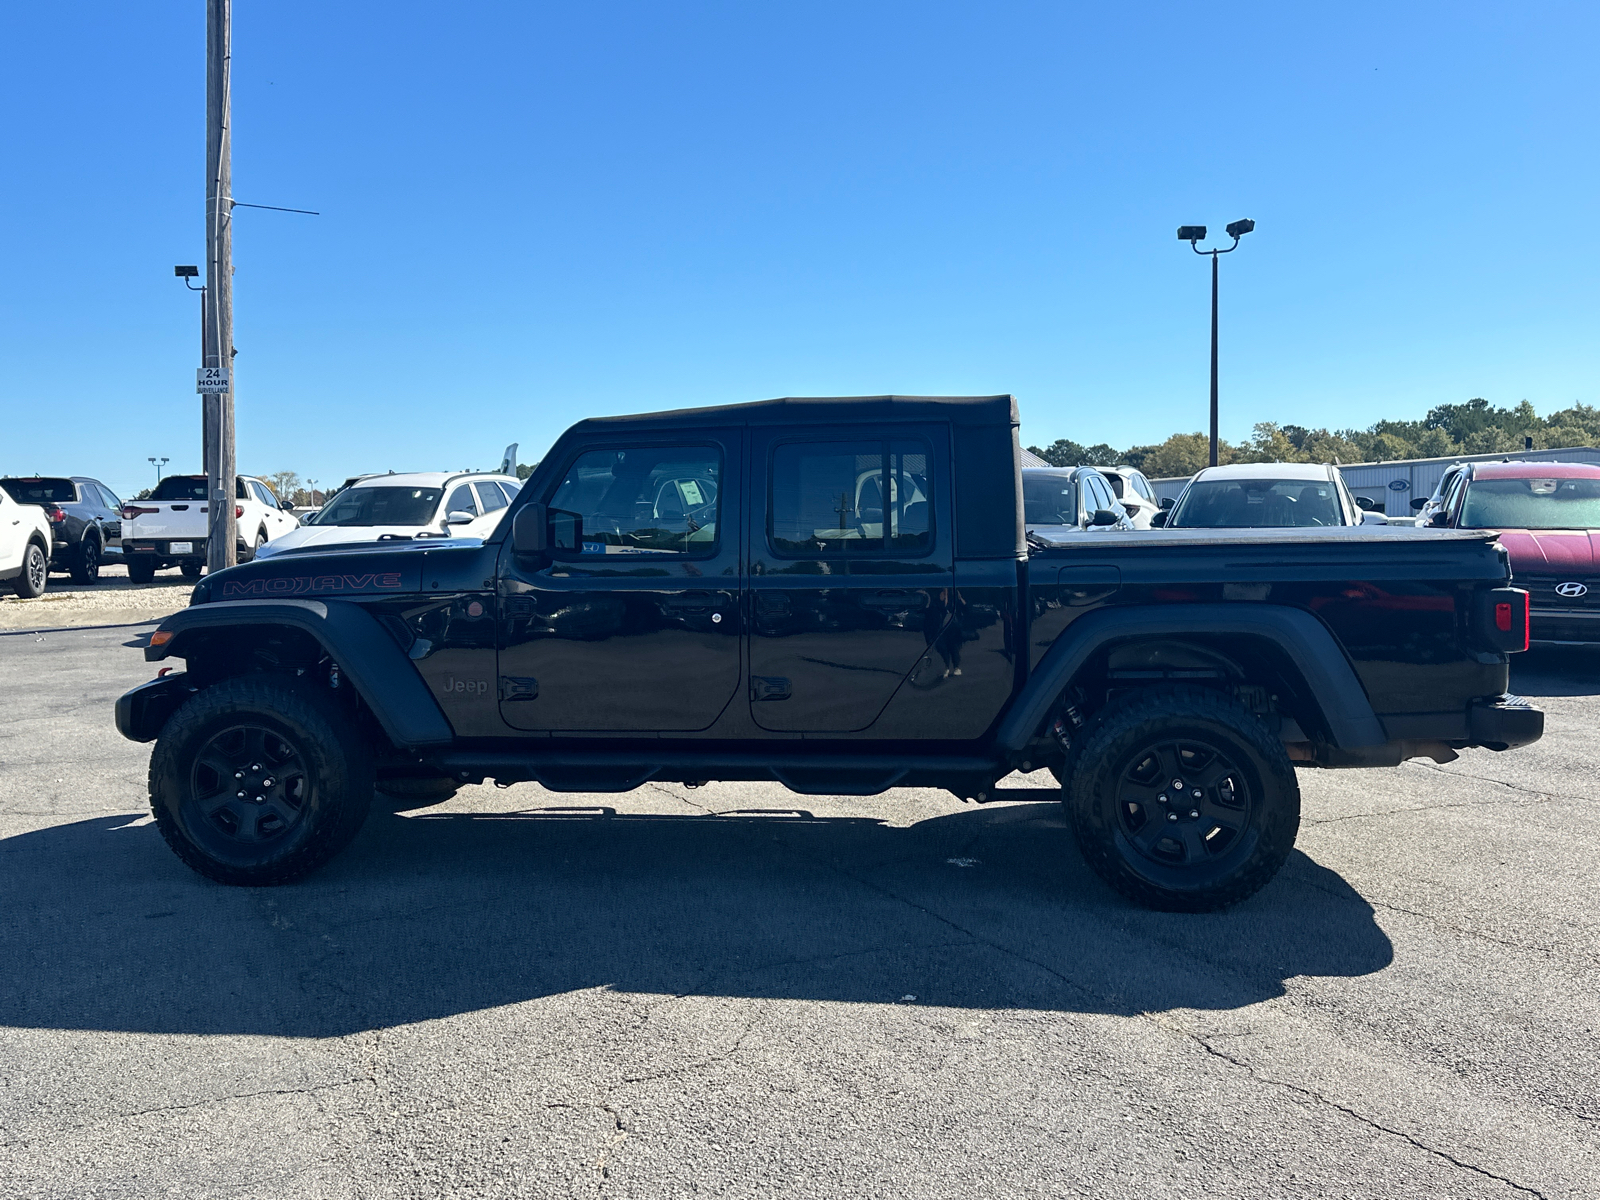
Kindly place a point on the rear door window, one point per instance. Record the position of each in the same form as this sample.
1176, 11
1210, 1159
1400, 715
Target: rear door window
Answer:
460, 501
855, 497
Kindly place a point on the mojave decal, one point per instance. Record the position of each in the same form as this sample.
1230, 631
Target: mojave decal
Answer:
301, 585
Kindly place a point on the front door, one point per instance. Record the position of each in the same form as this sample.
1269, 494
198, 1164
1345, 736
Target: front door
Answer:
851, 571
637, 629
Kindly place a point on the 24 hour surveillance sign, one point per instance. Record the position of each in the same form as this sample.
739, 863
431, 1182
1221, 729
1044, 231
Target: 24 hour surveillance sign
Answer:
211, 379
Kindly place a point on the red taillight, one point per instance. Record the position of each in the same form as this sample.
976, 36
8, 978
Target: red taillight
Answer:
238, 511
1502, 617
55, 514
130, 511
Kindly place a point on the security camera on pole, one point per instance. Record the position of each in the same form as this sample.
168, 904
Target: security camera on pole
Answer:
1193, 234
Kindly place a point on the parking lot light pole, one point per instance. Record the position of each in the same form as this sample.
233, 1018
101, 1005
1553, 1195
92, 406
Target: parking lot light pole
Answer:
158, 463
1193, 234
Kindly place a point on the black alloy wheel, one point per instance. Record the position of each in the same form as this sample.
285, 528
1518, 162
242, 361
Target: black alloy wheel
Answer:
86, 563
1183, 803
248, 785
35, 572
259, 780
1182, 800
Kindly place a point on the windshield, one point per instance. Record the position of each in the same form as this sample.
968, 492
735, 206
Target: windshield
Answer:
1048, 500
381, 506
1256, 503
41, 491
1532, 504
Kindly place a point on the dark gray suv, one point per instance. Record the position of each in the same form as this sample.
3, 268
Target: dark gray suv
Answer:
85, 520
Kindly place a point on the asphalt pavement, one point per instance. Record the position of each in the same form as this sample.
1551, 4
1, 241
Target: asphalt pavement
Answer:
736, 991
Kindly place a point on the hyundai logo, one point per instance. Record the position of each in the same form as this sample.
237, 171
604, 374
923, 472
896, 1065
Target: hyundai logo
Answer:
1572, 590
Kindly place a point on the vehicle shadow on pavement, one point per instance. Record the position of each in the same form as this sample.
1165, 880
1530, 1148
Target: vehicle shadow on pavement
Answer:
1556, 671
438, 914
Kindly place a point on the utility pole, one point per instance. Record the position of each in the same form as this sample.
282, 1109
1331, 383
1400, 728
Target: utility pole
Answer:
217, 347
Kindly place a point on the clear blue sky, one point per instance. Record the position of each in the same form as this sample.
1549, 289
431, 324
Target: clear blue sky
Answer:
537, 212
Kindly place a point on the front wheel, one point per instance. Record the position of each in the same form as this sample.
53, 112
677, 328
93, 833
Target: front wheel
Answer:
259, 781
35, 572
141, 569
1182, 800
86, 563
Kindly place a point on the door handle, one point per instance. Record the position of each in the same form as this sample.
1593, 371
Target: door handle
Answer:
693, 602
895, 601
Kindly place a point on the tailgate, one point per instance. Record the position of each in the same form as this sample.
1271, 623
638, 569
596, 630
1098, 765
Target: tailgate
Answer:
172, 519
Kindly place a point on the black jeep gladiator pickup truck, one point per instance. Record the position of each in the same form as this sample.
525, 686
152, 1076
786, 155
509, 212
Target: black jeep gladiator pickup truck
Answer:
836, 594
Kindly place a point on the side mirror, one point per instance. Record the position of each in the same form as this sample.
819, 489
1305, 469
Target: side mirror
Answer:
460, 517
1159, 520
1104, 516
1168, 502
1417, 502
529, 529
1365, 504
1439, 520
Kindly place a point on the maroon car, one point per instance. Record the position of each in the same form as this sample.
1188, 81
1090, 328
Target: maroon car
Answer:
1548, 515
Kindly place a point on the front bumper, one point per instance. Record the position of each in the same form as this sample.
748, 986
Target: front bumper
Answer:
142, 712
1504, 722
1564, 627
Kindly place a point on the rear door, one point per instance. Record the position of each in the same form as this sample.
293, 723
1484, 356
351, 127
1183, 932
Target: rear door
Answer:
851, 570
638, 629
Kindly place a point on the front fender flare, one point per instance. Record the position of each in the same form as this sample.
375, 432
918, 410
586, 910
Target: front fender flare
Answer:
1312, 650
367, 656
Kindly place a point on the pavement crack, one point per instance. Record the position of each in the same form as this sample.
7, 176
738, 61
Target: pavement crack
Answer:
305, 1091
1371, 1123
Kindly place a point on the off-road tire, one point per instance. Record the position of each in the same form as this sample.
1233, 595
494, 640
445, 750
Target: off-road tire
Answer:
85, 568
1180, 872
191, 570
335, 763
140, 569
30, 584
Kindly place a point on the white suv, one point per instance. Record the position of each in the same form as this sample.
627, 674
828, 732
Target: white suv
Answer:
418, 504
1134, 493
24, 546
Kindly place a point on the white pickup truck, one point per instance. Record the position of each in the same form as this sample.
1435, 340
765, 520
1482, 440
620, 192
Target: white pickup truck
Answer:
169, 528
24, 546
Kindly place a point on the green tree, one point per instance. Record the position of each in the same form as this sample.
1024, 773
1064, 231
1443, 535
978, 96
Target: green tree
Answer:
1184, 454
1060, 453
284, 483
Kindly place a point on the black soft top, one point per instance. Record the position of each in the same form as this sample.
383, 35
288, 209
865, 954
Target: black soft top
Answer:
821, 410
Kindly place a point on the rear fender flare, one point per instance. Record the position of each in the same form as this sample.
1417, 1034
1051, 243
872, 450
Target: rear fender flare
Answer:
367, 656
1312, 651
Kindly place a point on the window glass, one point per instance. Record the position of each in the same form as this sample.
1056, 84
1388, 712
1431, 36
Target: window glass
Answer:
1254, 503
380, 506
1116, 485
490, 498
1532, 504
109, 497
645, 500
264, 493
855, 497
41, 491
1142, 486
1048, 500
510, 489
1099, 494
460, 501
180, 487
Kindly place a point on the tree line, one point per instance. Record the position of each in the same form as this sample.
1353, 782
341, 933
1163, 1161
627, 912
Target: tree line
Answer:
1474, 427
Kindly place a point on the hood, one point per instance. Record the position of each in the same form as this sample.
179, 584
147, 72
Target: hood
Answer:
1551, 551
330, 535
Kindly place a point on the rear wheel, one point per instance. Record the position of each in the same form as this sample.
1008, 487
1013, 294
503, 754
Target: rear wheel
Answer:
35, 572
259, 781
141, 569
85, 567
1183, 800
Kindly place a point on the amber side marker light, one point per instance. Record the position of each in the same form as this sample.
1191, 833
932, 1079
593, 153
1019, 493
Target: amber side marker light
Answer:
162, 636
